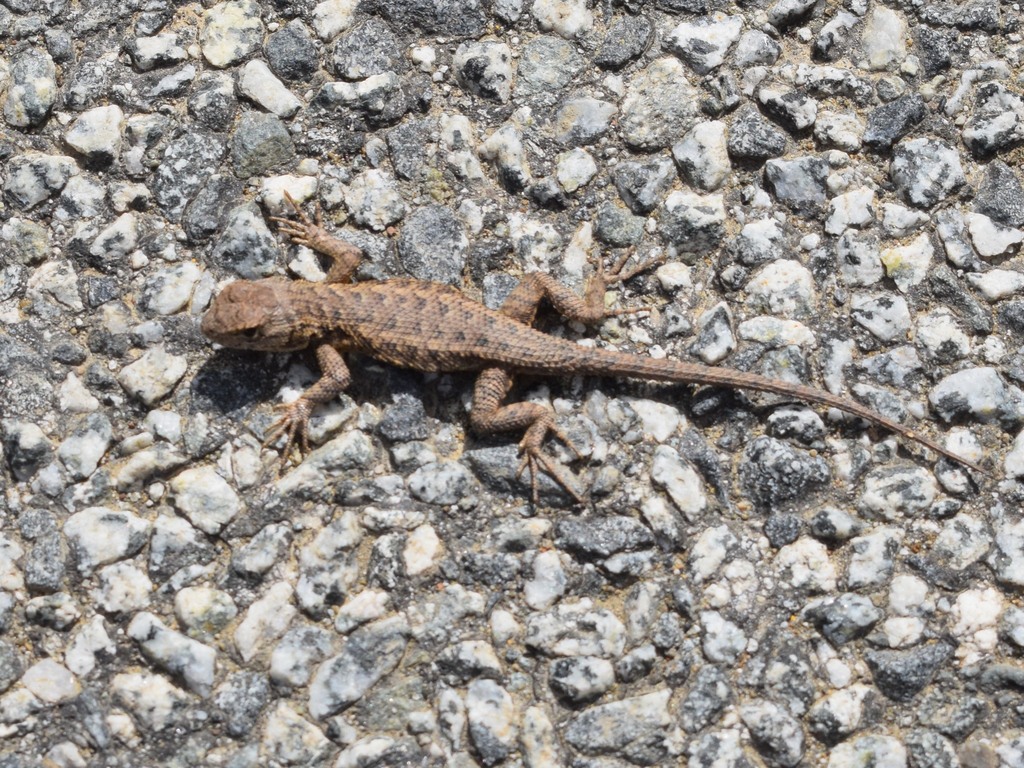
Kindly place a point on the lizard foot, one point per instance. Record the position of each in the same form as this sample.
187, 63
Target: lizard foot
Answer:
306, 231
619, 274
534, 458
293, 423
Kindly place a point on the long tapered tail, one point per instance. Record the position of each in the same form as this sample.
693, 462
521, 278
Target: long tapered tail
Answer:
604, 362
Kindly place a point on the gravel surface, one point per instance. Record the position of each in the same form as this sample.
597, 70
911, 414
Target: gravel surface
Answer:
756, 583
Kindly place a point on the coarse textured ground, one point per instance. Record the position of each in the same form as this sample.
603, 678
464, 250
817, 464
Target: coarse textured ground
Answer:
755, 583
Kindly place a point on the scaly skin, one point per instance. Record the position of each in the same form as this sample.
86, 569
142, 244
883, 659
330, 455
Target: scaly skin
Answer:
432, 327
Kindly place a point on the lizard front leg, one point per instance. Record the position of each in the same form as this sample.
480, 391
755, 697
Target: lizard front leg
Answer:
488, 415
294, 420
344, 256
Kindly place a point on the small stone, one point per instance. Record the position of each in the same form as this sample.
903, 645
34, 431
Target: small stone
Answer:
581, 679
890, 122
123, 589
97, 134
548, 582
799, 183
792, 109
926, 171
693, 223
152, 377
367, 50
374, 201
260, 142
204, 611
703, 155
621, 726
568, 18
871, 561
886, 317
370, 653
574, 169
703, 45
776, 734
174, 652
576, 629
627, 38
491, 716
996, 122
205, 498
98, 535
660, 104
259, 84
32, 88
433, 245
850, 209
839, 130
265, 620
977, 393
485, 69
291, 52
642, 185
51, 682
33, 177
231, 31
883, 40
751, 137
582, 121
901, 675
242, 697
290, 739
154, 702
292, 660
908, 265
991, 239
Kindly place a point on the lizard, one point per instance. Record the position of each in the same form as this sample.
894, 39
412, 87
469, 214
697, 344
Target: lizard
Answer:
434, 327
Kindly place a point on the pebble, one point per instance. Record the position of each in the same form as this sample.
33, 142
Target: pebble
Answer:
580, 122
155, 703
97, 134
259, 84
568, 18
926, 171
991, 239
630, 726
99, 535
576, 629
175, 653
205, 498
369, 653
153, 375
485, 70
703, 155
703, 45
32, 91
231, 31
659, 105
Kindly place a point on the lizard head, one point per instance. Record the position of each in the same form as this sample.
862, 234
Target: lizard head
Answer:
255, 314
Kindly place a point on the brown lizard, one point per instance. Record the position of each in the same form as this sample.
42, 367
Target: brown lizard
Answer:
433, 327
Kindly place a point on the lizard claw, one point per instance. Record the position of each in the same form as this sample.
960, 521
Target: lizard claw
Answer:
293, 423
620, 274
534, 458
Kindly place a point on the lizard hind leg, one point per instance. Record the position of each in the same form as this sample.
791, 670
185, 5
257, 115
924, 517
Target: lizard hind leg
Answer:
522, 303
488, 415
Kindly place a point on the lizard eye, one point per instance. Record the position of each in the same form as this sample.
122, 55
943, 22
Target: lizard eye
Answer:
251, 333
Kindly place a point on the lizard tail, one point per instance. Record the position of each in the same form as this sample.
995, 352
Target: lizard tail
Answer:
604, 362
